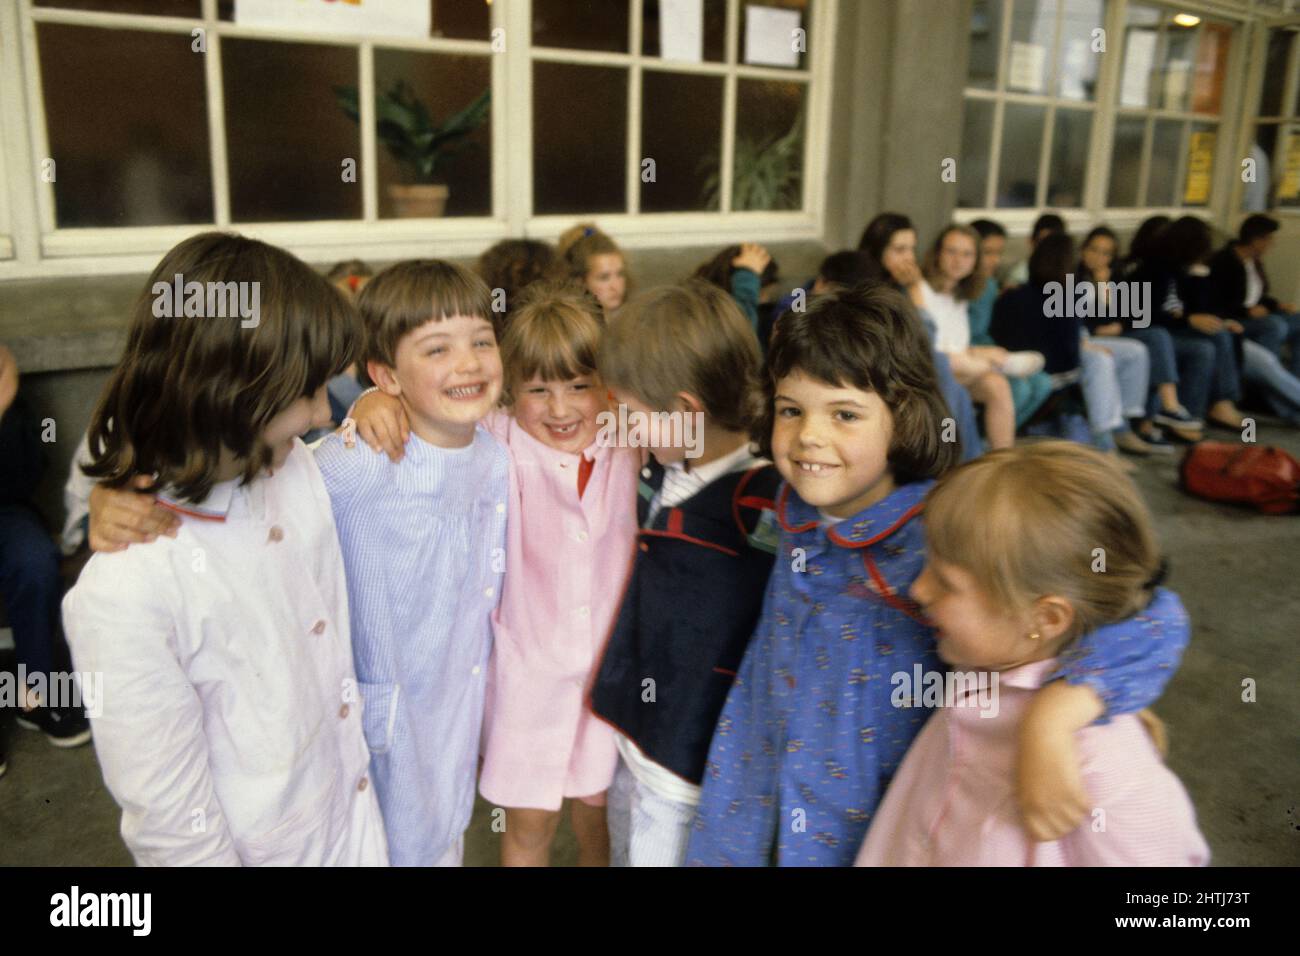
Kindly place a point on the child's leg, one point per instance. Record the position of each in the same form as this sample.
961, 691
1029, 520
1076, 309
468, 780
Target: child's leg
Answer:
1101, 396
591, 829
992, 391
528, 836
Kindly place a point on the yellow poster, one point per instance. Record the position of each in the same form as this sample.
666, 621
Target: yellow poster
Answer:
1200, 166
1290, 188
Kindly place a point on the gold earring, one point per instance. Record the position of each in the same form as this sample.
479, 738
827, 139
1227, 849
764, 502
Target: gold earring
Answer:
1034, 636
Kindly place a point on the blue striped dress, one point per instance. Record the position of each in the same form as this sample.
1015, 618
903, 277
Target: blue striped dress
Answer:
424, 550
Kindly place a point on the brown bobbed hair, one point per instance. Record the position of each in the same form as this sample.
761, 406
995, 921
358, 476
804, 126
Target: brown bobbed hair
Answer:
968, 288
1027, 522
188, 387
688, 338
868, 338
554, 334
408, 294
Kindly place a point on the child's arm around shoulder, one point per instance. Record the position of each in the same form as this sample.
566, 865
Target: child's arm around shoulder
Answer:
1118, 669
146, 714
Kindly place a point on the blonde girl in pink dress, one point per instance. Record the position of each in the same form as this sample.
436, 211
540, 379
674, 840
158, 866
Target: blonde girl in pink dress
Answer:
569, 543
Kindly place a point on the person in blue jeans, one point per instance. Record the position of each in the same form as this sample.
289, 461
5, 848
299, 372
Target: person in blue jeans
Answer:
30, 587
1175, 270
1239, 290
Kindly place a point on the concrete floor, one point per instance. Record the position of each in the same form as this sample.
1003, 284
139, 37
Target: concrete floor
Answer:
1237, 572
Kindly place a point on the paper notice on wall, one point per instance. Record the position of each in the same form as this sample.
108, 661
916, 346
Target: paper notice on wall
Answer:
772, 36
1178, 74
1200, 169
681, 30
409, 18
1025, 72
1139, 57
1289, 191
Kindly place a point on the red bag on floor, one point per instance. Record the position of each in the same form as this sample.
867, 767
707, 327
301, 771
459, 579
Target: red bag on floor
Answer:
1263, 476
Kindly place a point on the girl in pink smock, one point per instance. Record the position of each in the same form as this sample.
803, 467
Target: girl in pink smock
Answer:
1029, 548
569, 543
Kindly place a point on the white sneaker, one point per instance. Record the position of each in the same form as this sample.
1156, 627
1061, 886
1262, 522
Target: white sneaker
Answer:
1023, 364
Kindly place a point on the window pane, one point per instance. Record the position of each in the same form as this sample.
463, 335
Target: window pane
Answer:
1071, 136
1257, 196
161, 8
786, 42
1126, 161
1211, 67
985, 36
715, 30
1077, 64
1022, 133
685, 151
1175, 72
767, 172
1140, 37
286, 134
445, 86
581, 24
976, 142
1287, 172
579, 138
1200, 164
461, 19
123, 154
1275, 63
1033, 30
1166, 150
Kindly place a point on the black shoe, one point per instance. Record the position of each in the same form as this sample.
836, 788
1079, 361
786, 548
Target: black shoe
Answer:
63, 727
1157, 442
1179, 418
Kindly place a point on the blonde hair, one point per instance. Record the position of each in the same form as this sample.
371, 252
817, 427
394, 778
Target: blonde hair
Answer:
554, 335
690, 338
1029, 521
579, 243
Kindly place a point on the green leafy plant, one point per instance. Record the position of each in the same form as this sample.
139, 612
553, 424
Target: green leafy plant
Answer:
767, 173
405, 127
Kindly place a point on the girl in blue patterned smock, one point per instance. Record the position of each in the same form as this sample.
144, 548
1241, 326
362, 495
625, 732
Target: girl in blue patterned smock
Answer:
815, 726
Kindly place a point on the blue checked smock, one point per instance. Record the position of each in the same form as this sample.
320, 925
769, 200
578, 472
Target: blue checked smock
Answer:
808, 739
424, 547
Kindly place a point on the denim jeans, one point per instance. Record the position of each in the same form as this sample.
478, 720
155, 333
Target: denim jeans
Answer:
1162, 359
1275, 331
31, 589
1262, 367
1223, 382
1114, 383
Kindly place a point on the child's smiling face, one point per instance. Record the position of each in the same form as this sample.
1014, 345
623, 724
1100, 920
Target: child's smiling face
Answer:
562, 415
831, 442
448, 376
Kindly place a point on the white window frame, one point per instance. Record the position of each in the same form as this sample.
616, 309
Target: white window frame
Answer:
1290, 117
1106, 109
32, 246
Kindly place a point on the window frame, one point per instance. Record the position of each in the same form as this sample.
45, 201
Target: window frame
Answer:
37, 247
1241, 17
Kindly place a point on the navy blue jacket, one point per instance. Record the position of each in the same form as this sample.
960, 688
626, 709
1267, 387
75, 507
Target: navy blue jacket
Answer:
690, 608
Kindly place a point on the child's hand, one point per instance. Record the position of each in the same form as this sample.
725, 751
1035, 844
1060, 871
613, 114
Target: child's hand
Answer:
119, 517
752, 257
1155, 728
1205, 323
907, 274
382, 424
1049, 786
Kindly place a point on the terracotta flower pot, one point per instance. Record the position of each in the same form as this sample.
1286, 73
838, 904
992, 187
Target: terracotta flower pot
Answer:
422, 201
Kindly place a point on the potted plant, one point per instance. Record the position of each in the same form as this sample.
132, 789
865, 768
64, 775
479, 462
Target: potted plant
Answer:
766, 173
417, 143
